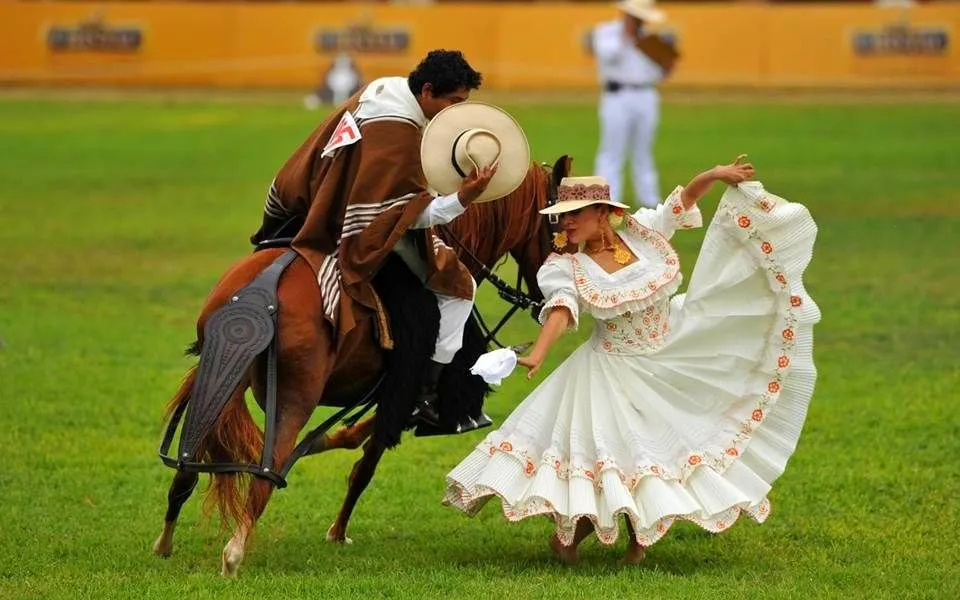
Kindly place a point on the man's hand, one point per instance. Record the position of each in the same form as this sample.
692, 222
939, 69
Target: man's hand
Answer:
738, 172
475, 184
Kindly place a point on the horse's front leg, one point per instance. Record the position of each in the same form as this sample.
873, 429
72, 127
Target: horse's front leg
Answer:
348, 438
360, 477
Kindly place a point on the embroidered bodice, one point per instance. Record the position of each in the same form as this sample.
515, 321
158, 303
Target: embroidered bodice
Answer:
633, 332
632, 305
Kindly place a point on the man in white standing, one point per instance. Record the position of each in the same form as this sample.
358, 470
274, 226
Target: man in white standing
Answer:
630, 103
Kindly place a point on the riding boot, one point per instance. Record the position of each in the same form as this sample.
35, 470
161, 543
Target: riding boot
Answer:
426, 410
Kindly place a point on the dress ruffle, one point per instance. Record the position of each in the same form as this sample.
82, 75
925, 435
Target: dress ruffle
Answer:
697, 429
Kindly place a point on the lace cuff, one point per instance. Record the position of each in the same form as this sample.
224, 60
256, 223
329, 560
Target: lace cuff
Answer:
569, 302
675, 217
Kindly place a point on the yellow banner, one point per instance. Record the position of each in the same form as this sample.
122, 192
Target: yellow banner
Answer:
539, 46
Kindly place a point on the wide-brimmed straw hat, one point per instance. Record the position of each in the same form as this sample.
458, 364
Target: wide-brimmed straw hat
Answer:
576, 192
470, 135
645, 10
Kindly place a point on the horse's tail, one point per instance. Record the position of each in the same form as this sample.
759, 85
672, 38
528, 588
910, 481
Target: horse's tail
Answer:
182, 394
234, 438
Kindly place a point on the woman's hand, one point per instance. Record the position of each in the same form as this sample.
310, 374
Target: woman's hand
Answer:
532, 363
735, 173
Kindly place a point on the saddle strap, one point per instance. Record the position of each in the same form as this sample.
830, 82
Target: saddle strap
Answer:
233, 337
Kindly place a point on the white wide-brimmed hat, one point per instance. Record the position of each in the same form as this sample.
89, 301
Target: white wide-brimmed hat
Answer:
645, 10
470, 135
576, 192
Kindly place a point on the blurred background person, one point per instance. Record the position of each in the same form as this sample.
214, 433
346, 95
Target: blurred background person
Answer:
630, 64
341, 80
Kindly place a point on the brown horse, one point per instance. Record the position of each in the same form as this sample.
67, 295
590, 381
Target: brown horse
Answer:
312, 366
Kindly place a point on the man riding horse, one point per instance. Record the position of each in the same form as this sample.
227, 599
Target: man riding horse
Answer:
357, 190
306, 328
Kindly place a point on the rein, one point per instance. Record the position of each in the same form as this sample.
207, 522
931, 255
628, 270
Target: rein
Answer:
512, 294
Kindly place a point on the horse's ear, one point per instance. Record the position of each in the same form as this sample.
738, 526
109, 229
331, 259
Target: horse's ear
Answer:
561, 168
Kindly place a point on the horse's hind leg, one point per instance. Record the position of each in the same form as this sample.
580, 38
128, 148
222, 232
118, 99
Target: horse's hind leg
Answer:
348, 438
180, 490
293, 414
360, 477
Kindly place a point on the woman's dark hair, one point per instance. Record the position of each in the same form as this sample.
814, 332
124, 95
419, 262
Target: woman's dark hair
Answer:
446, 71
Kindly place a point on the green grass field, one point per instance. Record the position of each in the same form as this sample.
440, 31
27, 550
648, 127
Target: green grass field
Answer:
117, 216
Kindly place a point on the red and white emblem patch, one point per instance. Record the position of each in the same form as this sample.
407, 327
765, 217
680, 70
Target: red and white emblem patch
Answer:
345, 134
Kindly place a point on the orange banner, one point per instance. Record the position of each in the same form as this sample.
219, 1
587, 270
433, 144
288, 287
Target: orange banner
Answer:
522, 46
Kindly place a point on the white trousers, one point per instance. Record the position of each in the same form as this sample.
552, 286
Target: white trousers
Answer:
628, 125
454, 312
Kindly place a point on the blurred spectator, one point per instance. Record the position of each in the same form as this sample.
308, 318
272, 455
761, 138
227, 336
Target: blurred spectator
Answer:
630, 63
341, 80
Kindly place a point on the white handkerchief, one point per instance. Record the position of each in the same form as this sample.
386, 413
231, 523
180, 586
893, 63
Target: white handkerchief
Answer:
494, 366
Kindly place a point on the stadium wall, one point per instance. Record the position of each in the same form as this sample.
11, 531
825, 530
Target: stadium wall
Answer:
518, 46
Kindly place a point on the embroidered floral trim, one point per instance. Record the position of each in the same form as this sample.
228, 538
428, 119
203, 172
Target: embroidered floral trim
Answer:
561, 299
682, 218
783, 339
471, 501
659, 283
632, 332
566, 469
633, 294
579, 191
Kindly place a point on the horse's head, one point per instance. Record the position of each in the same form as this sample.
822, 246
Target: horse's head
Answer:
531, 254
511, 225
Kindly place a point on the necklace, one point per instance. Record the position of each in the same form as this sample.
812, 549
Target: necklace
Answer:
620, 253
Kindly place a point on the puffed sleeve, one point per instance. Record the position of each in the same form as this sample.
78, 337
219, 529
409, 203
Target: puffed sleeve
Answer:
670, 215
555, 279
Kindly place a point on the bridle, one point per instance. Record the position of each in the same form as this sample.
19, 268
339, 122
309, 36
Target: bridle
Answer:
514, 295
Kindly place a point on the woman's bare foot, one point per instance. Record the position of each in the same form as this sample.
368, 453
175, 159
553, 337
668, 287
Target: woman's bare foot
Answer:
634, 554
567, 554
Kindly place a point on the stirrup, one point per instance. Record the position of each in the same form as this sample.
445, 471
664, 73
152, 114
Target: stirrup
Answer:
424, 430
425, 414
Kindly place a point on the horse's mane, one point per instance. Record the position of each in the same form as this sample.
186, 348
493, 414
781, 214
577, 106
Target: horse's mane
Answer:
492, 229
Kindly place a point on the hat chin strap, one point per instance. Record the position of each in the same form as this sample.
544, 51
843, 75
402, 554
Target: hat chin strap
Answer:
475, 147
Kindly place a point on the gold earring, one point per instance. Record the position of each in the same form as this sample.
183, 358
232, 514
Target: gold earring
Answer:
560, 241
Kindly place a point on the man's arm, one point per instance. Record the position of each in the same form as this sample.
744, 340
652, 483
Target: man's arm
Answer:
607, 46
444, 209
440, 211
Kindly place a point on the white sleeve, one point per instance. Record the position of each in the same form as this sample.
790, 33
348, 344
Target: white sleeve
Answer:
608, 44
555, 279
440, 211
670, 215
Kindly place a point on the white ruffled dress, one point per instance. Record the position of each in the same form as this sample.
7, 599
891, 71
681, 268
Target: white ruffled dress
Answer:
676, 408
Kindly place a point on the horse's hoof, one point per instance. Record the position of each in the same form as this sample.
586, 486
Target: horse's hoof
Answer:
229, 570
332, 537
231, 559
163, 547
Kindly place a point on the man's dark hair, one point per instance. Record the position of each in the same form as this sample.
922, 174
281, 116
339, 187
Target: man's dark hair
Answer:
446, 71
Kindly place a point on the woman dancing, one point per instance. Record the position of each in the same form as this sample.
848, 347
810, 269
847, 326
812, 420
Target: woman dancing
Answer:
682, 406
